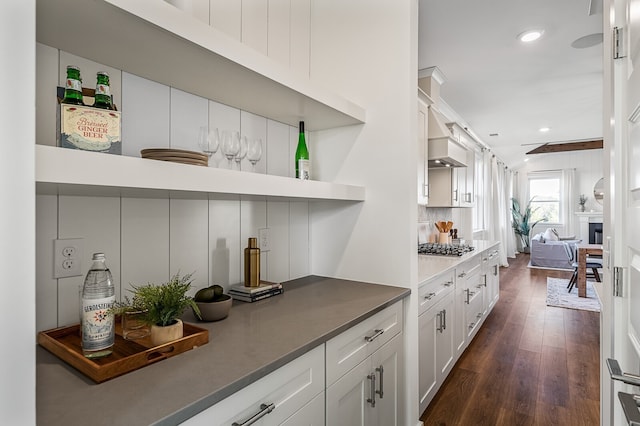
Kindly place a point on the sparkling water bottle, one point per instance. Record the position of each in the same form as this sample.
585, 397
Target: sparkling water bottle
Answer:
98, 297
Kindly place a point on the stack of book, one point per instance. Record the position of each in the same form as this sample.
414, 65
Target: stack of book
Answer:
253, 294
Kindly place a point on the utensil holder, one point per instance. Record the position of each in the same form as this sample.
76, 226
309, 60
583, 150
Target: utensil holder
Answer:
443, 238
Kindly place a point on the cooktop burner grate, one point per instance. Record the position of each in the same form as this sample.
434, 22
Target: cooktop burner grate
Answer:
444, 249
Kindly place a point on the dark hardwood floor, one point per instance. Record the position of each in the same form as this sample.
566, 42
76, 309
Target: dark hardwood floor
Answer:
529, 364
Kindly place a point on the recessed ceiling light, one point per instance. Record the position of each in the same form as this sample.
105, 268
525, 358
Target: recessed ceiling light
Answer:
544, 129
530, 35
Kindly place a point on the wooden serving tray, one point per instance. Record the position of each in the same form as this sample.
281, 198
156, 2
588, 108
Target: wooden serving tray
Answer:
128, 355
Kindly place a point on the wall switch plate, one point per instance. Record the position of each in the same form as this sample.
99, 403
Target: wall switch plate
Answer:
67, 255
263, 239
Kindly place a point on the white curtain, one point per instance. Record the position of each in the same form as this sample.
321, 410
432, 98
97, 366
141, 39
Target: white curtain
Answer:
499, 214
568, 201
511, 244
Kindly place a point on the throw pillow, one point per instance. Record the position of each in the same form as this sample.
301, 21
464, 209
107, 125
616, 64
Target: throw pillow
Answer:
549, 235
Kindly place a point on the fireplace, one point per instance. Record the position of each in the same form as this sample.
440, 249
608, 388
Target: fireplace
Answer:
595, 233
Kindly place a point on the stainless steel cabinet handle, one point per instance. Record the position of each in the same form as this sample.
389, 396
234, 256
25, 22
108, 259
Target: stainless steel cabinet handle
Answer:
455, 195
462, 275
381, 371
616, 373
485, 280
373, 337
444, 319
630, 407
495, 270
479, 315
448, 284
372, 399
429, 296
469, 295
473, 324
440, 327
264, 410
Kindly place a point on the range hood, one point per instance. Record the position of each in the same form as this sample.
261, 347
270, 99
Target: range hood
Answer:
443, 149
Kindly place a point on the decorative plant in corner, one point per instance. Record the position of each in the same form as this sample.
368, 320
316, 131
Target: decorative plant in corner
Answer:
520, 222
163, 306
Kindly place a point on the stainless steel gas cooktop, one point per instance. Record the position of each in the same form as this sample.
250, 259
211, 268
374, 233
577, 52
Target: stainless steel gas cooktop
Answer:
444, 249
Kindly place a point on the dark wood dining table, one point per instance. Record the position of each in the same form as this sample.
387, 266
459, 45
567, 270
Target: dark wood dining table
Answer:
583, 251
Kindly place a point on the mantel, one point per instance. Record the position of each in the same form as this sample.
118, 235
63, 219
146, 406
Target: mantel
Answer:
595, 217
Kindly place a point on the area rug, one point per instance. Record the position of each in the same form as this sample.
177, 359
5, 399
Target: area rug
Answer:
557, 295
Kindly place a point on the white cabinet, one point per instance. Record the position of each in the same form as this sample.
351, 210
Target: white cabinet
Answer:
443, 185
493, 278
423, 151
276, 398
435, 348
354, 345
467, 277
368, 394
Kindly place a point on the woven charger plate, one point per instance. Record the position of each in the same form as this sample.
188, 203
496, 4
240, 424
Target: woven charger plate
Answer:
161, 153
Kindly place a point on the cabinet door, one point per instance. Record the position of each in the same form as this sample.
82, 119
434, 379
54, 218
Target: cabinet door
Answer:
311, 414
347, 399
386, 365
423, 168
493, 276
285, 390
445, 350
442, 187
427, 370
469, 197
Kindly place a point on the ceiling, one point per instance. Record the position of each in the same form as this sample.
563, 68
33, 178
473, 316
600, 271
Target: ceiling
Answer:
499, 85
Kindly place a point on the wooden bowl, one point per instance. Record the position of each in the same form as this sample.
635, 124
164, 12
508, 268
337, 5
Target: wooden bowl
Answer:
215, 311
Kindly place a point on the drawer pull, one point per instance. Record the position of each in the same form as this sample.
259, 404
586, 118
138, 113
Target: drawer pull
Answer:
444, 319
629, 404
381, 391
473, 324
429, 296
462, 275
616, 373
372, 399
448, 284
479, 315
374, 336
264, 410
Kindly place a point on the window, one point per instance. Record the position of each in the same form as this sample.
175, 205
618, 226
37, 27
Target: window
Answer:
544, 193
479, 191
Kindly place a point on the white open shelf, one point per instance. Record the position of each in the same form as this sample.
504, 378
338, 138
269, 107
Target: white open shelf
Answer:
73, 172
155, 40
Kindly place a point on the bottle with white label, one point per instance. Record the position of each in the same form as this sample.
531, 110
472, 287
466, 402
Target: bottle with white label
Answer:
98, 297
302, 156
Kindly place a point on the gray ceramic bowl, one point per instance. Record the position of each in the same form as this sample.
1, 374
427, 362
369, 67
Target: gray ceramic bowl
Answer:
215, 311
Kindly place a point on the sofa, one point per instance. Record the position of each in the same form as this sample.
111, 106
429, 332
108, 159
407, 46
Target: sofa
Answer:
548, 250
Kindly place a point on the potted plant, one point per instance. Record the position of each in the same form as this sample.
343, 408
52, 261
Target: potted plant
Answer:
162, 306
582, 200
520, 222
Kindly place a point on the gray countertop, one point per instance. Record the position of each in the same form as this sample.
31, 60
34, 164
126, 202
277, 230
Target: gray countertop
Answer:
430, 266
254, 340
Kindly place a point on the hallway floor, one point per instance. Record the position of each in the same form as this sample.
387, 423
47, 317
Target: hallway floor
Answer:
529, 364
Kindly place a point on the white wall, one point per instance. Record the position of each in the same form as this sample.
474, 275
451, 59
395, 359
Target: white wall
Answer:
367, 50
17, 214
146, 239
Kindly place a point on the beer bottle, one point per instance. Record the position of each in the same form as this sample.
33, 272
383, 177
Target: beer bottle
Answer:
73, 87
103, 91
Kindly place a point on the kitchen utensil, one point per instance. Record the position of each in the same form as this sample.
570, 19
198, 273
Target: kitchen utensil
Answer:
449, 226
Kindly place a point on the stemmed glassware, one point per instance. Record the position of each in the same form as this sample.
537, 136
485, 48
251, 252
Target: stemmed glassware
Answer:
208, 141
242, 152
254, 152
230, 145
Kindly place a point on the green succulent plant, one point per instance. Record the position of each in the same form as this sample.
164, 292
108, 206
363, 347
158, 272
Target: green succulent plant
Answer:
162, 304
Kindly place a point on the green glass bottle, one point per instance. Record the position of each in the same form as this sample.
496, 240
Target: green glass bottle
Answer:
103, 91
73, 87
302, 156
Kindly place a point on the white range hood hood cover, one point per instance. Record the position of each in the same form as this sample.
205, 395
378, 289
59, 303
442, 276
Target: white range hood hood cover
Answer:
444, 150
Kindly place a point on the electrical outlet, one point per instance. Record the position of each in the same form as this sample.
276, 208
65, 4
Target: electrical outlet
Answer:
263, 239
67, 255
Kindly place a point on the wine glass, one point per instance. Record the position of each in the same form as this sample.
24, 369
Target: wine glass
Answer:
242, 152
208, 141
230, 145
254, 152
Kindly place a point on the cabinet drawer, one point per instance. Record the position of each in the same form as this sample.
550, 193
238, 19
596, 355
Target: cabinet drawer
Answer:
468, 267
289, 388
474, 313
434, 290
348, 349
